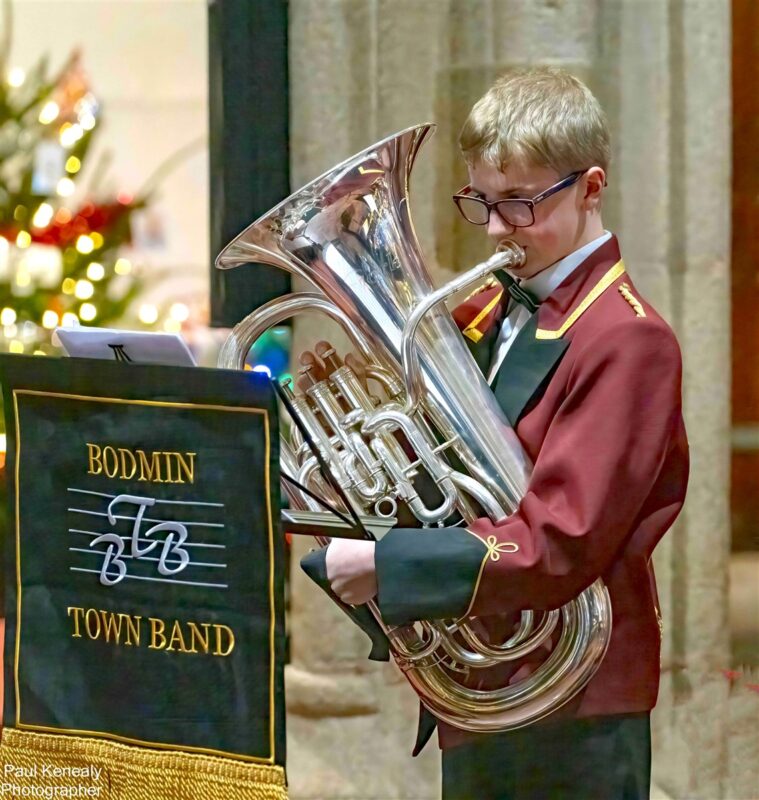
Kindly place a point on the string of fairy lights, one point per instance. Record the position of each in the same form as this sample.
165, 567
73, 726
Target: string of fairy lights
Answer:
60, 259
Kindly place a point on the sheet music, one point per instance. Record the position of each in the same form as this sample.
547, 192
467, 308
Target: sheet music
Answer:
140, 347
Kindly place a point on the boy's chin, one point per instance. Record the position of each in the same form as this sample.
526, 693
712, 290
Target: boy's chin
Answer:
530, 267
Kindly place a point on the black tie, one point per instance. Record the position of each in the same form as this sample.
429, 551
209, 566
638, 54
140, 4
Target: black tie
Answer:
520, 295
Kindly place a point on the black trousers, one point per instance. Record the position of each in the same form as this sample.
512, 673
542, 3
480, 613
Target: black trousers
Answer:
601, 758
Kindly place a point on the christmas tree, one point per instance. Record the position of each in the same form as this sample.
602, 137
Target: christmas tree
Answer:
60, 261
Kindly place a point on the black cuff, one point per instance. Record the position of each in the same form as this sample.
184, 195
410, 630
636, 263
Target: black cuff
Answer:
427, 574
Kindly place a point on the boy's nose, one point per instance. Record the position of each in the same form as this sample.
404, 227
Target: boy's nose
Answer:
498, 227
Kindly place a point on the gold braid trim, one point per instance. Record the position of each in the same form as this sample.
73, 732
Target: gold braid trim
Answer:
624, 290
489, 283
615, 272
493, 553
136, 773
471, 331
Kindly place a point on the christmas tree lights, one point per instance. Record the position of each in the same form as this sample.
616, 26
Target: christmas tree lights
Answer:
60, 258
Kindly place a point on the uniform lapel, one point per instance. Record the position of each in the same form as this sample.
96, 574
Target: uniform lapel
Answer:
540, 345
484, 348
526, 369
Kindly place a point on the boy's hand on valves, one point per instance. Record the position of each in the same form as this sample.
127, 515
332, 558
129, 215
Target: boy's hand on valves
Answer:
350, 570
313, 369
319, 364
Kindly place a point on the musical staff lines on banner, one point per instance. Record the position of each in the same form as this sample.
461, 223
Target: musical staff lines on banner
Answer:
166, 538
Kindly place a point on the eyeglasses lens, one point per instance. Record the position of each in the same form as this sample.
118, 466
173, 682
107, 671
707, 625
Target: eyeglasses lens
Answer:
473, 210
516, 213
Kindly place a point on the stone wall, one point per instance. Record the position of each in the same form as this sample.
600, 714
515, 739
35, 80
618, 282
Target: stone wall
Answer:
363, 69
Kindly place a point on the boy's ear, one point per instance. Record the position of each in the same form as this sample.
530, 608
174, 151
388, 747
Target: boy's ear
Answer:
595, 180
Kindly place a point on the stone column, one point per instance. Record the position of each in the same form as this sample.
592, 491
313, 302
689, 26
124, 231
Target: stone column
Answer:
693, 721
665, 82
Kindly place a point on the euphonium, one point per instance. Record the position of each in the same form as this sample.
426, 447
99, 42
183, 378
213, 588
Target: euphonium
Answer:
349, 234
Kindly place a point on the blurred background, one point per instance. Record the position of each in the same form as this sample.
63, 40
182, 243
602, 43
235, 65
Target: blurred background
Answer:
138, 136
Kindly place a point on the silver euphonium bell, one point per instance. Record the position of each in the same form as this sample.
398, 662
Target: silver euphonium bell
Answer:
349, 234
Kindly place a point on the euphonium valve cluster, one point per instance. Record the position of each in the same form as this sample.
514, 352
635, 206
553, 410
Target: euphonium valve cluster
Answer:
349, 234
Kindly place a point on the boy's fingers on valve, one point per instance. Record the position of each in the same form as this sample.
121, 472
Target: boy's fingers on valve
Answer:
328, 355
358, 366
312, 370
317, 365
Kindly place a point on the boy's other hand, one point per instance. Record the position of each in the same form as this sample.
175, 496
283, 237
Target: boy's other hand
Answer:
350, 570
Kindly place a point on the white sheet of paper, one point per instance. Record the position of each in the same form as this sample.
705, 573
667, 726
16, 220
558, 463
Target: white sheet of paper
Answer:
140, 347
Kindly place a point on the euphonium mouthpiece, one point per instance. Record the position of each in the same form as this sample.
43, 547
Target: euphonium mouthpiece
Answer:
507, 246
508, 255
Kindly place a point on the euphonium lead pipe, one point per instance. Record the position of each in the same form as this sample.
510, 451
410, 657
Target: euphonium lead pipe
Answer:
507, 254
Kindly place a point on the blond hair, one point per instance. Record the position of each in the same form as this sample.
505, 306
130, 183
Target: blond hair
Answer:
542, 116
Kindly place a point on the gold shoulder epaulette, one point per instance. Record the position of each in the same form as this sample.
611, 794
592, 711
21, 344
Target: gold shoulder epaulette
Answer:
624, 290
489, 283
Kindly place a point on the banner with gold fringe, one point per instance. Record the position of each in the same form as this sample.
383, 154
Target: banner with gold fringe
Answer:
143, 583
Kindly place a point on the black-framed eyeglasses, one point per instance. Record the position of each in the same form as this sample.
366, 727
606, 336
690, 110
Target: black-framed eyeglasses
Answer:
516, 211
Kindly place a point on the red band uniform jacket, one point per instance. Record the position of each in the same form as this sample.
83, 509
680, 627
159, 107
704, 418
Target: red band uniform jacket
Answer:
592, 385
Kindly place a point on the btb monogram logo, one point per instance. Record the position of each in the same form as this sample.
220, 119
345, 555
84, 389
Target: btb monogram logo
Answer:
173, 558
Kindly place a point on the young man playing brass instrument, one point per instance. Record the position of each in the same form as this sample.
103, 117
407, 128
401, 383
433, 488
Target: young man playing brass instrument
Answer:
599, 414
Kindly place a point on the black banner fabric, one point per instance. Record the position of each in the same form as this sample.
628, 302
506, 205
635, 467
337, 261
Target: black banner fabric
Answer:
144, 577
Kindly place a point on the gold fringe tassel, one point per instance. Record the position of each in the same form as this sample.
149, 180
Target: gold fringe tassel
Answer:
135, 773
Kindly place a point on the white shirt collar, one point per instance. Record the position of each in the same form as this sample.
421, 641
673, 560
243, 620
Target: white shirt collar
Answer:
543, 284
